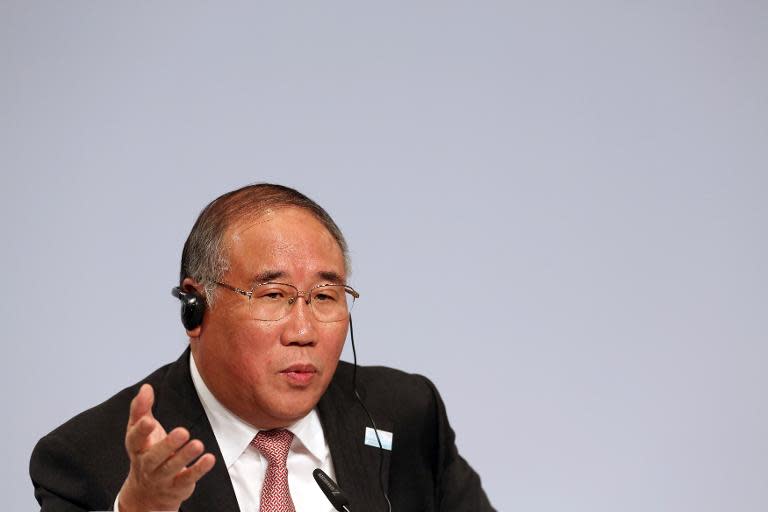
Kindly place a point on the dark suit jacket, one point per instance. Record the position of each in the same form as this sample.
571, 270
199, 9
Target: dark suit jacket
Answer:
82, 464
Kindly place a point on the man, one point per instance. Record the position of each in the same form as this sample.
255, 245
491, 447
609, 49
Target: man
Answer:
260, 399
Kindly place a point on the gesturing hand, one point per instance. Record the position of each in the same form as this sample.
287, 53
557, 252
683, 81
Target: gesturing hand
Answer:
159, 478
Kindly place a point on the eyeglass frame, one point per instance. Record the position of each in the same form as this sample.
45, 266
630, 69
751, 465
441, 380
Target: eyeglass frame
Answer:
299, 293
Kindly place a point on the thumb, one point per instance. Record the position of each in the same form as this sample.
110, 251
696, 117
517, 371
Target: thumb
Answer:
141, 405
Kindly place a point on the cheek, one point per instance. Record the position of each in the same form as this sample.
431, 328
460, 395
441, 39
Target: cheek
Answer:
333, 341
251, 358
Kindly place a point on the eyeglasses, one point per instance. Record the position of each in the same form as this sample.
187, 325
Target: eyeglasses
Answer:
272, 301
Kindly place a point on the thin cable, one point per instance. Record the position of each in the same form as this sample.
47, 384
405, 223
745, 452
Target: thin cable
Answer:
375, 429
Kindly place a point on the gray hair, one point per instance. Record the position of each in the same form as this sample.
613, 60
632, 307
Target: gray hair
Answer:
203, 258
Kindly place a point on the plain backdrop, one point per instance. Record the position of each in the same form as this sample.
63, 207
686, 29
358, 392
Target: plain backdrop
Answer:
556, 211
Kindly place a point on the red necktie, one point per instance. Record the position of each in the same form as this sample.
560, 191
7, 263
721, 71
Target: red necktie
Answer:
274, 445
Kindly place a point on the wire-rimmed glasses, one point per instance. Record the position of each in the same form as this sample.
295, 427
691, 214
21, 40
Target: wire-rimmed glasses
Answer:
272, 301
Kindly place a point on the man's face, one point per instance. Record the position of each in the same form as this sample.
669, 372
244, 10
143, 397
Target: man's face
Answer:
271, 373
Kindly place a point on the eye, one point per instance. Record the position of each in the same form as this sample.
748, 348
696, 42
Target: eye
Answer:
326, 294
270, 294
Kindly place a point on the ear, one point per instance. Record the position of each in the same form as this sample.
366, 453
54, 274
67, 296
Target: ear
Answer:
189, 285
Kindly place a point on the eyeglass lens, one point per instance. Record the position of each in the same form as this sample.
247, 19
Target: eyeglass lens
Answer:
273, 301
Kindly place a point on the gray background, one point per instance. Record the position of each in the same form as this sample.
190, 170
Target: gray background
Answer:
556, 211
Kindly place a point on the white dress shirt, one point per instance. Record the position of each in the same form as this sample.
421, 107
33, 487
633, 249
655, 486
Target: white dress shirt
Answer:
247, 466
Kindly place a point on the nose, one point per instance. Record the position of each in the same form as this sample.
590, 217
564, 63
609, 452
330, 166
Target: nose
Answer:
300, 326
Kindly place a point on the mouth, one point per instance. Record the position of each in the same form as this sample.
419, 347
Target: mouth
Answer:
299, 374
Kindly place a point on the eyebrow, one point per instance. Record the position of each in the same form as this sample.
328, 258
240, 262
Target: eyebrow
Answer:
271, 275
267, 275
331, 276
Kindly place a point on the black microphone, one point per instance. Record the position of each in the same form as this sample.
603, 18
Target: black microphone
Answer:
331, 490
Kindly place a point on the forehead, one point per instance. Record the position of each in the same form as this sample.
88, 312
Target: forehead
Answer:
288, 240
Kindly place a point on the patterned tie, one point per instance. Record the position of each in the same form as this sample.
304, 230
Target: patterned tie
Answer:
274, 445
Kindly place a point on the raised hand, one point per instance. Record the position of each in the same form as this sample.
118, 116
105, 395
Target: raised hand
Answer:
160, 477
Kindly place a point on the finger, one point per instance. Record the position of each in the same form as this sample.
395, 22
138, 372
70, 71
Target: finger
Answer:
193, 473
158, 454
137, 435
141, 405
188, 453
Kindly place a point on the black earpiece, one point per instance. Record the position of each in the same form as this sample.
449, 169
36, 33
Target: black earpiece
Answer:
192, 308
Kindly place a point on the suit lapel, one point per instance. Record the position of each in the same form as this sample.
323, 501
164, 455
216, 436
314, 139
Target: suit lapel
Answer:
177, 405
344, 421
356, 464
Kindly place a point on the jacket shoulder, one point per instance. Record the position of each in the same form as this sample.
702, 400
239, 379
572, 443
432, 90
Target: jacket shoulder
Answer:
84, 459
105, 416
389, 389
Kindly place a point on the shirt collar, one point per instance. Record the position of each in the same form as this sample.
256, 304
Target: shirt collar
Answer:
234, 434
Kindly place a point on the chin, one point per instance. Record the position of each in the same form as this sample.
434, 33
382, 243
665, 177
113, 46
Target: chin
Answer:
296, 407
